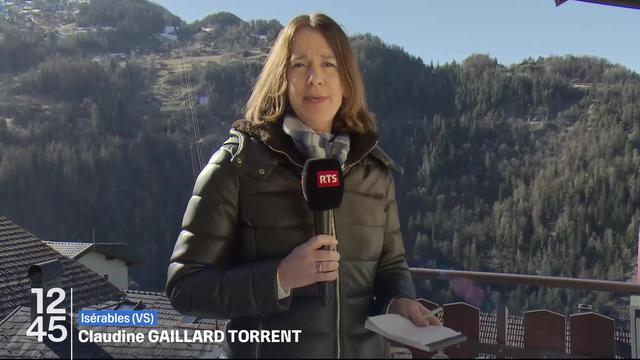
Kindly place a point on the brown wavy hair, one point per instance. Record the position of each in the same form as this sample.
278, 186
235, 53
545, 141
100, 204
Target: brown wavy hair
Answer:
269, 100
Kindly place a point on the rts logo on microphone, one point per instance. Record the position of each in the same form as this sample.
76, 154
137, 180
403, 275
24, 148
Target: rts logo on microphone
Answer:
327, 178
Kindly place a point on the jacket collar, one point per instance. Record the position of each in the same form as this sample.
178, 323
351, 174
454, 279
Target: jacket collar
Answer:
272, 135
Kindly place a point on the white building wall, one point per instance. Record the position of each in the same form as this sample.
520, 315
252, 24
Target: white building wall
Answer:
116, 269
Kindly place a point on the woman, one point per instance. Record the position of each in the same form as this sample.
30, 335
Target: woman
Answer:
247, 250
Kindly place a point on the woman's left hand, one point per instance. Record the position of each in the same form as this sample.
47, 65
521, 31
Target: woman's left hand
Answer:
414, 311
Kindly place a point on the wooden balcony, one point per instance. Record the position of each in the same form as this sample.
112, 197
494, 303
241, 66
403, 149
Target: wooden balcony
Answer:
535, 333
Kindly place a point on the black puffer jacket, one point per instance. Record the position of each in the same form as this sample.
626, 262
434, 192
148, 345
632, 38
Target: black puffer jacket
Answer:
248, 212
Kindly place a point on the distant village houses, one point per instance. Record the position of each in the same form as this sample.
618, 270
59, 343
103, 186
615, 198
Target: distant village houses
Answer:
168, 34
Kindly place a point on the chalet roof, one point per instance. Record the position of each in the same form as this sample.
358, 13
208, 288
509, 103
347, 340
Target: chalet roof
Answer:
20, 249
69, 249
76, 250
632, 4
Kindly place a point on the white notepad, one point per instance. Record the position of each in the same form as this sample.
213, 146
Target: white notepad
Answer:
400, 329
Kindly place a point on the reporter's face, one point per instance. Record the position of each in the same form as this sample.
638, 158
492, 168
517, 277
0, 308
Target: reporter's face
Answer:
314, 86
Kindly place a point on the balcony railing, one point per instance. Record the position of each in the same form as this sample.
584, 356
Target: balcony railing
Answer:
537, 333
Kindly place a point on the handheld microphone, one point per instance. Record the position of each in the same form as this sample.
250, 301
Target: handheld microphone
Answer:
323, 187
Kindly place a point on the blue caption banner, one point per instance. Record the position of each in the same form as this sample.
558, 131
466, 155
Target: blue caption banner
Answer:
117, 317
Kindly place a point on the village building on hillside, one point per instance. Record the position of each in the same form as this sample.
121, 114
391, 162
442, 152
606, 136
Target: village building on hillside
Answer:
109, 260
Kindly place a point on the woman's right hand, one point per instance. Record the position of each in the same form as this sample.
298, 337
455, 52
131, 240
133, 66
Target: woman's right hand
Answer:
300, 267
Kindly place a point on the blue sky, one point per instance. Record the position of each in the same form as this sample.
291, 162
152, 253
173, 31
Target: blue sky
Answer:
446, 30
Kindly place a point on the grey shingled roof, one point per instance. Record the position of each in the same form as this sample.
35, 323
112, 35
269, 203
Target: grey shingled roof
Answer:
159, 301
21, 249
16, 345
69, 249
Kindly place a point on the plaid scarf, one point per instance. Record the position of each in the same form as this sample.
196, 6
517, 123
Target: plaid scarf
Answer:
316, 145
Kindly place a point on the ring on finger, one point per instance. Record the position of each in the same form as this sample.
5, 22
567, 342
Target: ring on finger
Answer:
318, 266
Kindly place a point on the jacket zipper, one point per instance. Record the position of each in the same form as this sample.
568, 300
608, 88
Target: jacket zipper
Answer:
347, 168
333, 226
335, 233
258, 344
285, 154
